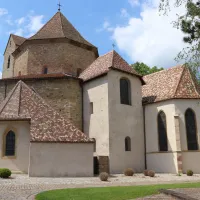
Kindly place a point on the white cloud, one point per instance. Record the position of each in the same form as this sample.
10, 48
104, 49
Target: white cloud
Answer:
150, 38
134, 2
20, 20
0, 75
19, 32
3, 11
105, 27
35, 23
124, 13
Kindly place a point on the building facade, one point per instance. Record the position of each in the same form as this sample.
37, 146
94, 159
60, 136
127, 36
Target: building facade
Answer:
66, 111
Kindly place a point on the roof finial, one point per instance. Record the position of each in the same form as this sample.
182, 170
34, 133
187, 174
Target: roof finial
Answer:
59, 6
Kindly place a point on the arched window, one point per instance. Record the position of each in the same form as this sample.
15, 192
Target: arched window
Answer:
125, 91
8, 65
10, 144
162, 132
127, 144
191, 130
45, 70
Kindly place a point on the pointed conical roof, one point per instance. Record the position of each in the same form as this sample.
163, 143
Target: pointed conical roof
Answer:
59, 27
111, 60
173, 83
46, 124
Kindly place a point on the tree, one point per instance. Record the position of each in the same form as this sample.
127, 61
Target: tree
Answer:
144, 69
189, 24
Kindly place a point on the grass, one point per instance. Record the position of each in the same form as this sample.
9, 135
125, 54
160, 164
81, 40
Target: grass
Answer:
110, 193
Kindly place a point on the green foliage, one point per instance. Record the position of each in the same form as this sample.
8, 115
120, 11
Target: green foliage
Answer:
110, 193
103, 176
128, 172
144, 69
189, 24
189, 173
5, 173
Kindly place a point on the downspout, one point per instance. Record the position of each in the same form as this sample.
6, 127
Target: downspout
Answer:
144, 127
81, 85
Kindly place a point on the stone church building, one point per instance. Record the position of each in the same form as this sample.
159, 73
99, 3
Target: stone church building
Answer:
66, 111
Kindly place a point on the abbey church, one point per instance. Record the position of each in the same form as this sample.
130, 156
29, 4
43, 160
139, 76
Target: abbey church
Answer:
66, 111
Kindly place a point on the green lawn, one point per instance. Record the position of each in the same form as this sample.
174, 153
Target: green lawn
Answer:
109, 193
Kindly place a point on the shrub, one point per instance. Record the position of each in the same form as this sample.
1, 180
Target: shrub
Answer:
5, 173
128, 172
145, 172
189, 173
151, 173
103, 176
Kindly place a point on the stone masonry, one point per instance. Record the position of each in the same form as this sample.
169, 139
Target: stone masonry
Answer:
63, 94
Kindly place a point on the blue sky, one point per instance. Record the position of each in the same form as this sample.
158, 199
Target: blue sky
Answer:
133, 25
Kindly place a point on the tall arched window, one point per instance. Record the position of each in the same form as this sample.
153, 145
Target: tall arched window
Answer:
162, 132
10, 144
8, 65
127, 144
125, 91
191, 130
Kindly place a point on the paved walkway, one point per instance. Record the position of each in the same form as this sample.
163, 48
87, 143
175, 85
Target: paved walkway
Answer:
21, 187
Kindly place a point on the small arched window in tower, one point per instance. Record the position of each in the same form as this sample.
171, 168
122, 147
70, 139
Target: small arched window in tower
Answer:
191, 130
162, 132
125, 91
8, 65
127, 144
45, 70
10, 144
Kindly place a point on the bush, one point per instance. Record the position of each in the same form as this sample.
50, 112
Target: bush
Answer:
128, 172
103, 176
151, 173
190, 173
5, 173
145, 172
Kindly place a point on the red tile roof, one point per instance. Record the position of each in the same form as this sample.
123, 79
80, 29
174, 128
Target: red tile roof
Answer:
176, 82
47, 125
18, 39
103, 64
59, 27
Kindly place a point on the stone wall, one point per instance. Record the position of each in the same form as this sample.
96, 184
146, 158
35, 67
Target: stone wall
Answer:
64, 95
8, 72
58, 56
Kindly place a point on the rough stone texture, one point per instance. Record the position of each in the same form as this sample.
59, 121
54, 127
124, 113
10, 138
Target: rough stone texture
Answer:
62, 94
8, 72
57, 55
103, 164
191, 192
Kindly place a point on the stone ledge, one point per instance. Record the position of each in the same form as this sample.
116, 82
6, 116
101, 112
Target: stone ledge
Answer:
176, 194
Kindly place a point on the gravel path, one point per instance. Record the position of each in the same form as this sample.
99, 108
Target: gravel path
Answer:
21, 187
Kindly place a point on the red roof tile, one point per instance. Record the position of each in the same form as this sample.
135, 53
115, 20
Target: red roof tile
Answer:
46, 124
59, 27
176, 82
103, 64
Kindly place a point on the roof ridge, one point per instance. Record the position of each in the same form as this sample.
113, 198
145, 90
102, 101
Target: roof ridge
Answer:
43, 26
192, 78
61, 22
181, 76
164, 70
9, 97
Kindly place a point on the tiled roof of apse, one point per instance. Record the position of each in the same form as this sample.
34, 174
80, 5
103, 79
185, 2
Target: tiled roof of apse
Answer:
47, 125
173, 83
